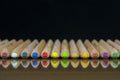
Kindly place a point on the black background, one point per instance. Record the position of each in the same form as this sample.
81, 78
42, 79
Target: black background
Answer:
59, 19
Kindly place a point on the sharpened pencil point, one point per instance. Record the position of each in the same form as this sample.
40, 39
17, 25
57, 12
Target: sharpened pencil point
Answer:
4, 55
55, 55
105, 55
115, 55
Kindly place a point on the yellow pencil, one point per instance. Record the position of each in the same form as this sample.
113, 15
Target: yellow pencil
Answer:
73, 49
56, 49
83, 51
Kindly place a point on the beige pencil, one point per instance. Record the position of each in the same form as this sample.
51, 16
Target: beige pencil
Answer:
91, 49
113, 44
103, 52
113, 52
73, 49
17, 51
83, 51
6, 52
47, 50
38, 49
28, 50
65, 53
56, 49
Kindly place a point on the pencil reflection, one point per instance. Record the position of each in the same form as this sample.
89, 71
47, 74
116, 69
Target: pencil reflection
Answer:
63, 63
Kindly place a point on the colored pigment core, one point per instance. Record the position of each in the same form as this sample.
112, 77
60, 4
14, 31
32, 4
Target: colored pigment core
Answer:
75, 55
24, 54
4, 55
115, 55
55, 55
65, 63
44, 55
55, 63
65, 55
14, 55
105, 55
34, 55
45, 63
95, 55
85, 55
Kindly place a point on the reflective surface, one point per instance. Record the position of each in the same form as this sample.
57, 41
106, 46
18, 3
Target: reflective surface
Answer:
27, 69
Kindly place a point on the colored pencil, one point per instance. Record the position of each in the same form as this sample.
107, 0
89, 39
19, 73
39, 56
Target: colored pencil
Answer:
113, 44
28, 50
82, 49
103, 52
84, 63
7, 44
38, 49
117, 41
91, 49
73, 49
65, 49
6, 52
65, 63
17, 51
113, 52
74, 63
47, 50
55, 63
56, 49
45, 63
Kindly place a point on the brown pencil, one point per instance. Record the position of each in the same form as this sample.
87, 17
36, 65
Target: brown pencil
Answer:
93, 52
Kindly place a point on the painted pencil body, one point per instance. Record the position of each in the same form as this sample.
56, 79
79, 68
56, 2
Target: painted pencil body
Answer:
65, 49
28, 50
38, 49
47, 50
6, 52
73, 49
56, 49
93, 52
113, 52
116, 46
103, 52
83, 51
17, 51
